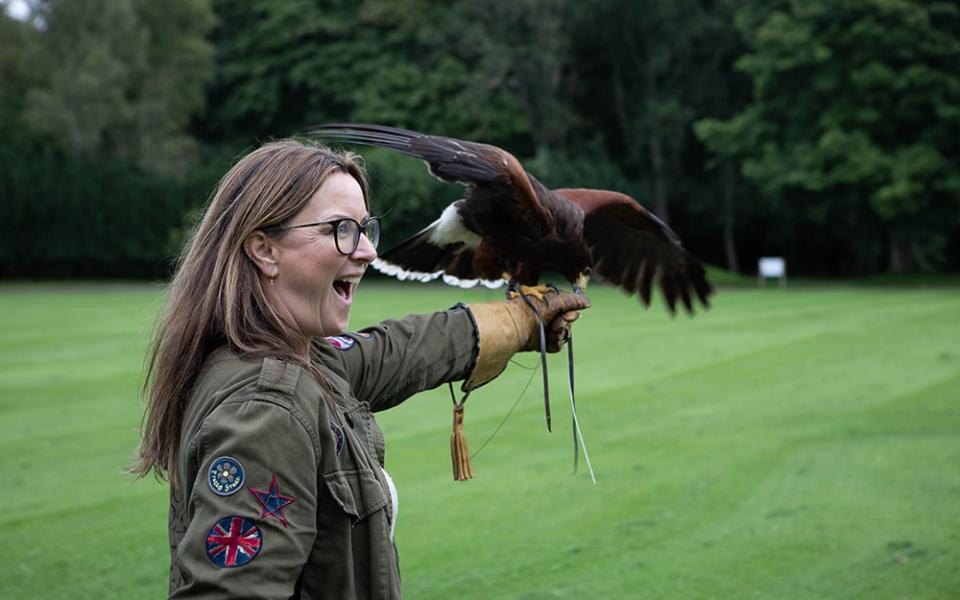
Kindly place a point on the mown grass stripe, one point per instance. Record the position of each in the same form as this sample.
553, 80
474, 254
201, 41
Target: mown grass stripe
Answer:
795, 444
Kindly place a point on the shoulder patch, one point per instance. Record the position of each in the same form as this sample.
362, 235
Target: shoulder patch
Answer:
341, 342
337, 433
272, 501
226, 476
233, 542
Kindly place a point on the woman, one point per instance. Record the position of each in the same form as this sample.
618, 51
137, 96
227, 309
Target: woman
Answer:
260, 408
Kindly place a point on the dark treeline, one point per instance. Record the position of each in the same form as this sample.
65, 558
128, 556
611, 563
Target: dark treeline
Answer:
824, 131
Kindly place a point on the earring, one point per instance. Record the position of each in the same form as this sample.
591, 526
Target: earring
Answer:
273, 280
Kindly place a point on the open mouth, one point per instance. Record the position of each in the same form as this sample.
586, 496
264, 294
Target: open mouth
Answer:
345, 286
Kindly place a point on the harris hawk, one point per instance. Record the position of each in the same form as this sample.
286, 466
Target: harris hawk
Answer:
509, 226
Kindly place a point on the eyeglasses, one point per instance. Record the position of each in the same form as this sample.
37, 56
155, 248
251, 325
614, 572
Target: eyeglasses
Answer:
346, 232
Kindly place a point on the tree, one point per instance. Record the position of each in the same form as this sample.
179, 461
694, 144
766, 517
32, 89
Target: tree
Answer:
855, 121
17, 43
121, 78
635, 59
479, 69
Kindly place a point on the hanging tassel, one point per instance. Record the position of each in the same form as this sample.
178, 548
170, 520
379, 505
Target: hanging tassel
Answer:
462, 468
460, 455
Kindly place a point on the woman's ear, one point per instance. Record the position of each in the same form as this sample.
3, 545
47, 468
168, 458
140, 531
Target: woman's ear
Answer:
264, 253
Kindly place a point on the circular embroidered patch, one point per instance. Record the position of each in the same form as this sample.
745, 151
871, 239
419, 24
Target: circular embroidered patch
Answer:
226, 476
341, 342
233, 542
338, 433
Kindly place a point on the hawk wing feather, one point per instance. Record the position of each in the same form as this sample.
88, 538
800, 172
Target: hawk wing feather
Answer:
632, 247
428, 254
451, 160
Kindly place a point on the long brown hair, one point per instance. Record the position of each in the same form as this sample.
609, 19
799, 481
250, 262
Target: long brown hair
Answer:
215, 298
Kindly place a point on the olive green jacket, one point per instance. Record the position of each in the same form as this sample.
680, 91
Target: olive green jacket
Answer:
279, 490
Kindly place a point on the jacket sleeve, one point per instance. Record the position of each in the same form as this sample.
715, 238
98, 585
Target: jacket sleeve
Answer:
253, 502
386, 364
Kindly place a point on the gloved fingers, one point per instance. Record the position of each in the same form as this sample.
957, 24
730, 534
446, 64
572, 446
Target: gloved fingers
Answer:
556, 309
558, 331
563, 302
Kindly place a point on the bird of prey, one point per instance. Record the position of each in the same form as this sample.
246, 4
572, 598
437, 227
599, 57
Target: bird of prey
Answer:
509, 226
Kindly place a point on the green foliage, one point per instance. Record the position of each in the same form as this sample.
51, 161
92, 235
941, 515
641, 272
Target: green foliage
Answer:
471, 69
121, 78
649, 69
66, 215
588, 167
825, 133
17, 46
793, 444
859, 106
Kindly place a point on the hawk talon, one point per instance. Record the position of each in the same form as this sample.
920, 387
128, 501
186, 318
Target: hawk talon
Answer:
537, 291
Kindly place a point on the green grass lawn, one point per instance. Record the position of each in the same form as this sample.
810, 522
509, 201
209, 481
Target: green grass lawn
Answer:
785, 444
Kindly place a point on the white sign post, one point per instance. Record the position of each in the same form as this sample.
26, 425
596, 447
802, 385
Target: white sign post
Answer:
772, 267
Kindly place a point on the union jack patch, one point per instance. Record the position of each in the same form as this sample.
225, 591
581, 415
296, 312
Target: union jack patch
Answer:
233, 542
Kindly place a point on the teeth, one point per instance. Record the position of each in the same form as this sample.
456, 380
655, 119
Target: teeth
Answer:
353, 279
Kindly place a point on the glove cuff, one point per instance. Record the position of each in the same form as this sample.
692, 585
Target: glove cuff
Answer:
503, 329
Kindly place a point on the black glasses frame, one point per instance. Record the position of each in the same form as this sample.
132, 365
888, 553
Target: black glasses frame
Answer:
361, 227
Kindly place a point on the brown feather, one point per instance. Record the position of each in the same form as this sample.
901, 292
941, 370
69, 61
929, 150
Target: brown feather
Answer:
632, 247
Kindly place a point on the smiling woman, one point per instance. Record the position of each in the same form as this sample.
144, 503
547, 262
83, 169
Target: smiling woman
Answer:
260, 403
314, 267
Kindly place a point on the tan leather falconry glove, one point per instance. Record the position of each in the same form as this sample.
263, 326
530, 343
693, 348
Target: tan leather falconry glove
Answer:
508, 327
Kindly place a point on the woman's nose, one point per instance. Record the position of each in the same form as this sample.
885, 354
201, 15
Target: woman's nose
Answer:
365, 251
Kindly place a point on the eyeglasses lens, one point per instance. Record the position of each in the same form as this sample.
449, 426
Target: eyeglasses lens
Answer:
348, 234
372, 231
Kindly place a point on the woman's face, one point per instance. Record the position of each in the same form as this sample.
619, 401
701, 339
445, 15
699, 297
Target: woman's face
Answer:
315, 284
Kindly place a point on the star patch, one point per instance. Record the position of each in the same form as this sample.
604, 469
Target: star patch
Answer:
341, 342
337, 433
233, 542
272, 501
226, 476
